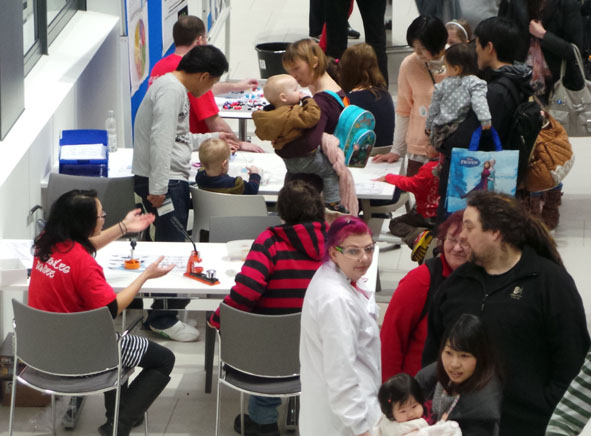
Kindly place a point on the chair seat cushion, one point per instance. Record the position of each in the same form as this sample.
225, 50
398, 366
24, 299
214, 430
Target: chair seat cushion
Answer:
73, 385
262, 385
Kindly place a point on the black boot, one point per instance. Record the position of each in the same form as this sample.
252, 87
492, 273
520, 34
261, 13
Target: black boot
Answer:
140, 395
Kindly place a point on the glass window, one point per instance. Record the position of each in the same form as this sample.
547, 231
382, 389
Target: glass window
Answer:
54, 7
30, 29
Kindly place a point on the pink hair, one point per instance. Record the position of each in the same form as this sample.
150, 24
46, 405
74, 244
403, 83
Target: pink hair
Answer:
341, 229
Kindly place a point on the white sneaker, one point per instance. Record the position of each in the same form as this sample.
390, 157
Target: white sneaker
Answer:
179, 331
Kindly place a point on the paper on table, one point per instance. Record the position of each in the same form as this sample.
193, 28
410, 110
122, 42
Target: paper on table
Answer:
83, 151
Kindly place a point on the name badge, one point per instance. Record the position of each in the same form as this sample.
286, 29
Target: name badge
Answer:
166, 207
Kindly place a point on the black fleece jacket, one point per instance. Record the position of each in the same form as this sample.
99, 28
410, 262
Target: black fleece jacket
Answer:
563, 22
536, 321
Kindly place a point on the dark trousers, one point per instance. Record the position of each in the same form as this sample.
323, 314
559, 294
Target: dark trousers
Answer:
157, 364
372, 13
178, 191
316, 18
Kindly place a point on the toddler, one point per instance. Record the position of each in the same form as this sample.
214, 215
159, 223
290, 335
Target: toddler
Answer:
458, 31
401, 401
425, 186
214, 155
283, 120
453, 97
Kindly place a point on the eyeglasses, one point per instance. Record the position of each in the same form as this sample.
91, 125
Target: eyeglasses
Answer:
102, 215
453, 242
356, 253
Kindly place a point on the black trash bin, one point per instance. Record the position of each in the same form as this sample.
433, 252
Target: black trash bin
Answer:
270, 55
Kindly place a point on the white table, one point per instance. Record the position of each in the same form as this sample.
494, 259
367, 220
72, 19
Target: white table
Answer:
273, 172
214, 256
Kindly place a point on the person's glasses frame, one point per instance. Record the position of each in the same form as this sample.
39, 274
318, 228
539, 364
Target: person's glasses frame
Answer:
356, 253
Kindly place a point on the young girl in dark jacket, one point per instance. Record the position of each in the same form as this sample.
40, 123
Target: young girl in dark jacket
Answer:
463, 384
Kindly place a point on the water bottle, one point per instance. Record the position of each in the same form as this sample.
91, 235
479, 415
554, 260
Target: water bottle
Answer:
111, 128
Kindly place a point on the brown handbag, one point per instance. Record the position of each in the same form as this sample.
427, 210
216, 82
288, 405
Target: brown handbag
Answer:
551, 159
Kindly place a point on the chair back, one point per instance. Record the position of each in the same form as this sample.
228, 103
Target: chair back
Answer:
262, 345
115, 194
207, 204
66, 344
231, 228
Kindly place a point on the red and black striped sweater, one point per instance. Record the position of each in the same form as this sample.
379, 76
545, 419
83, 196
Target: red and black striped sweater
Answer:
277, 270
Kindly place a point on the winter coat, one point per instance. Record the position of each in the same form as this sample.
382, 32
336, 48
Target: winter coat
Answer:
285, 123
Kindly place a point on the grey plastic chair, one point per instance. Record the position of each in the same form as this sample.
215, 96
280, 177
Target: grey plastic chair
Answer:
70, 354
207, 204
258, 355
231, 228
116, 194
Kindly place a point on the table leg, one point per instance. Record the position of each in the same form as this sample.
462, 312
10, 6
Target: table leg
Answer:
242, 129
209, 351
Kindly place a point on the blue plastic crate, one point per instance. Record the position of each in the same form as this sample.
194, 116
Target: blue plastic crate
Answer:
85, 167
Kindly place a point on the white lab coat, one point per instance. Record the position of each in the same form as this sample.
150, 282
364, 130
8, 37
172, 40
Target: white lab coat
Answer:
339, 357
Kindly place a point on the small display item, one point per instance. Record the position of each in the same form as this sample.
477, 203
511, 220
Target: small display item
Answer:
131, 264
195, 271
246, 101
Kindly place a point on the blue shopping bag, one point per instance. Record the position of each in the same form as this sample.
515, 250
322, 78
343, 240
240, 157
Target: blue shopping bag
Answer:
472, 170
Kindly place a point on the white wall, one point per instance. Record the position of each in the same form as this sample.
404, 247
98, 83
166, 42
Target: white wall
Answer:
72, 88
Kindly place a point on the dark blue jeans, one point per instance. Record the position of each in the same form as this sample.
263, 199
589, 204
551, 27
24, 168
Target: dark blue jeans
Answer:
178, 191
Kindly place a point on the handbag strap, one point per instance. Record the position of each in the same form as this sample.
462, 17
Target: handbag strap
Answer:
579, 60
475, 141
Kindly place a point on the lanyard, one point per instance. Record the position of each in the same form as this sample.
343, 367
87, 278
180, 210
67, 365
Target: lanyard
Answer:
430, 73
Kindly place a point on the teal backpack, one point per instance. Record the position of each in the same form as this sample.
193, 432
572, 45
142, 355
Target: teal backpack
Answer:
355, 132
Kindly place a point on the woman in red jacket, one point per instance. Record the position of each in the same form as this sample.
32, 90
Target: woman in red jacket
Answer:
404, 329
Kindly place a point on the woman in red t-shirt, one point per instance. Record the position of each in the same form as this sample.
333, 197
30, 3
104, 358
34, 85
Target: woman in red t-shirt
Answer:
66, 278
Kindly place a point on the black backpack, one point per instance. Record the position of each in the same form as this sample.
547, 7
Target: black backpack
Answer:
526, 125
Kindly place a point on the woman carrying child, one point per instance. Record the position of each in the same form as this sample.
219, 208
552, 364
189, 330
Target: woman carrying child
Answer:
463, 383
307, 63
419, 72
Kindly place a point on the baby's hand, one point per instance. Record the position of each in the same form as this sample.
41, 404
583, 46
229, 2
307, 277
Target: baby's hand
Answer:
252, 170
380, 179
486, 125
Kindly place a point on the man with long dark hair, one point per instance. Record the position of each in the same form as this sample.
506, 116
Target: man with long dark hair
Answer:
516, 283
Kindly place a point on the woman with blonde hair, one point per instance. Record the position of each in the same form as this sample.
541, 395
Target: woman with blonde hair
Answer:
307, 63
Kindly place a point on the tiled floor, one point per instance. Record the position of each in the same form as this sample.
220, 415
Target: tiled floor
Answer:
184, 408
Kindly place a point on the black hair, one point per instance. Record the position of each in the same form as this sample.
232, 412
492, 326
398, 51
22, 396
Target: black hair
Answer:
204, 59
464, 56
186, 30
505, 36
72, 217
468, 335
429, 31
503, 213
398, 389
300, 202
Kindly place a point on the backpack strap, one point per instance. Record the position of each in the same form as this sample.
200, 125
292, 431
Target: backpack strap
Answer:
435, 271
344, 102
